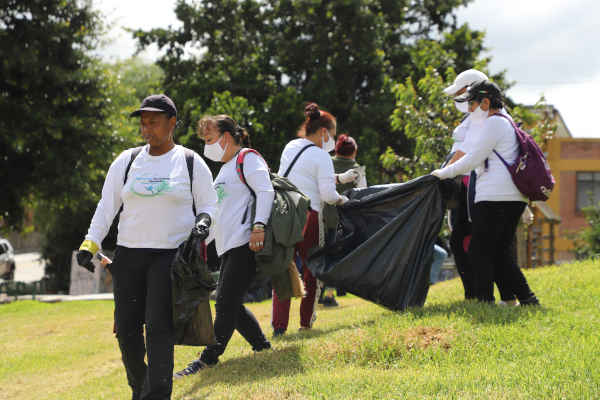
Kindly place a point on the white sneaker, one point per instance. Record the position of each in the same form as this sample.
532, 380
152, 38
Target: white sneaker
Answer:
502, 303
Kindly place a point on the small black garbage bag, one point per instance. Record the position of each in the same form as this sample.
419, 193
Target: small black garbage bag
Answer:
192, 284
383, 245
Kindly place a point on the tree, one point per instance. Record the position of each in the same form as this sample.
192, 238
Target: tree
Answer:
63, 119
52, 104
273, 55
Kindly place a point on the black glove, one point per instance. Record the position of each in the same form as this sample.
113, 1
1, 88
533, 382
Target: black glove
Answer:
84, 258
200, 231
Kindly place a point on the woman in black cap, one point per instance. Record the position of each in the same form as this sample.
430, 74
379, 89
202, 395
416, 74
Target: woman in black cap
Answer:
499, 203
158, 185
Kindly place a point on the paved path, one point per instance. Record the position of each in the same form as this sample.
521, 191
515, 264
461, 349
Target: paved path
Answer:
29, 267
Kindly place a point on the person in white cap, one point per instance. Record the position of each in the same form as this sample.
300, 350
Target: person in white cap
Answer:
459, 217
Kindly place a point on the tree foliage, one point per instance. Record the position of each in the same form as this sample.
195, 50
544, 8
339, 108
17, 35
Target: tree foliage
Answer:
427, 117
52, 106
272, 55
586, 241
64, 116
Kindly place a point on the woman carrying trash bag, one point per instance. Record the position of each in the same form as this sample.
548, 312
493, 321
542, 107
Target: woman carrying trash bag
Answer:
153, 185
236, 240
499, 203
307, 164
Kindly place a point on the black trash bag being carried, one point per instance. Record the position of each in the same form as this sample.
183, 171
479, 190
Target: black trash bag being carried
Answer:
383, 245
192, 284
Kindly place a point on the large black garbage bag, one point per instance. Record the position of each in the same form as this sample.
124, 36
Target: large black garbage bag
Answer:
384, 241
192, 284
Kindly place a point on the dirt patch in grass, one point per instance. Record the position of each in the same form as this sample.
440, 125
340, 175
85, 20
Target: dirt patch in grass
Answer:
424, 337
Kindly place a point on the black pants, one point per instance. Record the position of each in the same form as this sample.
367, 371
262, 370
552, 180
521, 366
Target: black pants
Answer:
238, 270
490, 250
461, 228
142, 290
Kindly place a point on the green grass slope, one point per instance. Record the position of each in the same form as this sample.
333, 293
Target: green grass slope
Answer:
448, 349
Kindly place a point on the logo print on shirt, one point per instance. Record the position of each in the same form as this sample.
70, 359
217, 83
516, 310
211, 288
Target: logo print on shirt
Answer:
221, 189
151, 185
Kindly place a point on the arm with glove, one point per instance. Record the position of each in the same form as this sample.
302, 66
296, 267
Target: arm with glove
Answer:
107, 209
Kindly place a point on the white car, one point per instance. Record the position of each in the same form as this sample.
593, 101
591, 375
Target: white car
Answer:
7, 260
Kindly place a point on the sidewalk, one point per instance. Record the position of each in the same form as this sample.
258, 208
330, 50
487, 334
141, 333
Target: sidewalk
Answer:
55, 298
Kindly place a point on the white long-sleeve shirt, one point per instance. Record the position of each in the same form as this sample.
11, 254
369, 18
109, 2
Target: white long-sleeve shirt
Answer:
313, 172
473, 129
459, 134
495, 184
157, 200
232, 226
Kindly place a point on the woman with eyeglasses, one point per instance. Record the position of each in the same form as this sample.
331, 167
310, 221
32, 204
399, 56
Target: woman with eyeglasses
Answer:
498, 202
307, 164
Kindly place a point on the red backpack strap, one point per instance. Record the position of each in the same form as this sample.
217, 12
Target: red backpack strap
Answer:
239, 166
239, 163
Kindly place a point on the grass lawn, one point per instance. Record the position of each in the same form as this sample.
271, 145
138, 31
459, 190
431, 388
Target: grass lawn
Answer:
448, 349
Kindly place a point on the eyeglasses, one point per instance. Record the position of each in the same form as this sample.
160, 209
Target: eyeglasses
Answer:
471, 102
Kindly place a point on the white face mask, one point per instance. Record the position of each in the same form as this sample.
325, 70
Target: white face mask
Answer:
462, 107
329, 145
478, 115
214, 151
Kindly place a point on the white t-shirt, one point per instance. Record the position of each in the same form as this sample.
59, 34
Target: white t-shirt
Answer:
313, 172
232, 226
157, 200
495, 184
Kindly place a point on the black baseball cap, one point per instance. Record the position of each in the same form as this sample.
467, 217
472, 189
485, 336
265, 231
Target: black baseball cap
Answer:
481, 87
156, 103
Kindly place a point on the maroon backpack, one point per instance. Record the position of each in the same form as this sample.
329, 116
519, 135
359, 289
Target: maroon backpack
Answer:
530, 172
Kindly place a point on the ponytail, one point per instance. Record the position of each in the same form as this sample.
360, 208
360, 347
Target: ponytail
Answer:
244, 137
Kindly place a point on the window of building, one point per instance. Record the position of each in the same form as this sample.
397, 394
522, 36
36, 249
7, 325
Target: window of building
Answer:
588, 183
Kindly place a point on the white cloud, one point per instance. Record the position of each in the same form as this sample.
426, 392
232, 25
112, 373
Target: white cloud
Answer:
546, 46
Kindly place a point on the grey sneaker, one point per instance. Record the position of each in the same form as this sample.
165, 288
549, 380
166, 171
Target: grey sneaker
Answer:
192, 368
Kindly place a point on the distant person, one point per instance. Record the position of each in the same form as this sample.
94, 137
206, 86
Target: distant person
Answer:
439, 258
157, 198
343, 160
307, 164
499, 204
236, 239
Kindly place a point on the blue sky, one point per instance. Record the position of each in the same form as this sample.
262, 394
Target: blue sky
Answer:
545, 46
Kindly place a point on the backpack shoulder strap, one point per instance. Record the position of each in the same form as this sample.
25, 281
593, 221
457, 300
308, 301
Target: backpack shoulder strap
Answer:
239, 166
189, 161
296, 159
134, 153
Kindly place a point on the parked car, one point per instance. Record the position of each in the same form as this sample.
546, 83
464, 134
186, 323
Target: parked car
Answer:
7, 260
